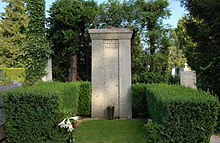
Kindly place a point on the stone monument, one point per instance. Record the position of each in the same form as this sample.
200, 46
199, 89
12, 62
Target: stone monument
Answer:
188, 78
111, 72
48, 70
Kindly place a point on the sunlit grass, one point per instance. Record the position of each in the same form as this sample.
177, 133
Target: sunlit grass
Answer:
111, 131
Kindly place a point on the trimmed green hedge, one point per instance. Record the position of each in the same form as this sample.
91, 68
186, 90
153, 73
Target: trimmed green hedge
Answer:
187, 115
17, 74
85, 97
139, 102
33, 113
69, 93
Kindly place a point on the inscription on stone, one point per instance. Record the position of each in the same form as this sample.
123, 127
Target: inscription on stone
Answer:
111, 72
110, 43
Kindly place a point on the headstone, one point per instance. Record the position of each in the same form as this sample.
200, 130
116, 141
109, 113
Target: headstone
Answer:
188, 78
48, 70
111, 72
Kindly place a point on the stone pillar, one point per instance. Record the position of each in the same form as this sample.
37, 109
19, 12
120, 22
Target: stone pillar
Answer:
48, 70
111, 72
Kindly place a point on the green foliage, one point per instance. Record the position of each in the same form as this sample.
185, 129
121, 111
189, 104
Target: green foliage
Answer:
139, 102
174, 79
17, 74
33, 113
13, 24
68, 30
149, 18
154, 132
202, 27
37, 48
176, 56
37, 52
114, 13
187, 115
139, 61
85, 98
149, 77
70, 95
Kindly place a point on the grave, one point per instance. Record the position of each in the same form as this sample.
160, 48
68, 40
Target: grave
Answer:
188, 78
48, 70
111, 72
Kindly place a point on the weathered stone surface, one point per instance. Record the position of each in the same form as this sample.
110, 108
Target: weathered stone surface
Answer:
188, 78
48, 70
111, 72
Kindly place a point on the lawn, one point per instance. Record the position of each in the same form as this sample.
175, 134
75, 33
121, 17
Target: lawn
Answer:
111, 131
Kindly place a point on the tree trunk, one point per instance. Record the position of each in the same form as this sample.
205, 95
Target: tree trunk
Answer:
73, 68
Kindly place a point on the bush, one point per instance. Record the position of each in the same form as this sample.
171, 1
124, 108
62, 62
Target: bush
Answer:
32, 113
85, 95
139, 102
69, 94
174, 79
17, 74
187, 115
155, 132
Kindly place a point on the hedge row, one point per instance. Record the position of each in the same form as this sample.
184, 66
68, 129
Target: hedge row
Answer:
85, 95
182, 114
139, 102
32, 113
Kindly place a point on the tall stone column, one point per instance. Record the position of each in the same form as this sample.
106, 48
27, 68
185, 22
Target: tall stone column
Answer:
111, 72
48, 70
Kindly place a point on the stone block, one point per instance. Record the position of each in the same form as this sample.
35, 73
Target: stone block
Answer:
188, 78
48, 70
111, 72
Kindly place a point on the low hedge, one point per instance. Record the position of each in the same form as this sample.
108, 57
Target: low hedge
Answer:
70, 92
187, 115
139, 102
85, 97
32, 113
17, 74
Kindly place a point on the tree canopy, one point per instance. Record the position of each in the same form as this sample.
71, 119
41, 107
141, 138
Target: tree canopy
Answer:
13, 26
202, 41
68, 30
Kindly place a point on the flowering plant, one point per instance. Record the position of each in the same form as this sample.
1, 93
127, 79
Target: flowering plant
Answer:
70, 125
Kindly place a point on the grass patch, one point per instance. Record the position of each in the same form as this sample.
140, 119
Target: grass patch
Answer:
111, 131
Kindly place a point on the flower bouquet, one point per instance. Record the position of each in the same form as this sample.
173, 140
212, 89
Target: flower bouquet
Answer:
70, 125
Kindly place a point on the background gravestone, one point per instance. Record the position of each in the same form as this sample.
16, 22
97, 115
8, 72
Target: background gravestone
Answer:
111, 72
188, 78
48, 70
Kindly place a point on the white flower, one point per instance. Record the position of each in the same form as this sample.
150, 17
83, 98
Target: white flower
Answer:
62, 124
76, 118
70, 129
68, 123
